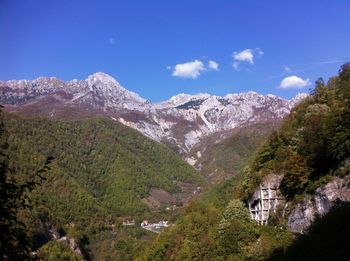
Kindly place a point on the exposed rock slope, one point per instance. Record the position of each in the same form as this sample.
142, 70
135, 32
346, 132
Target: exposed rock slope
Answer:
319, 203
303, 213
182, 121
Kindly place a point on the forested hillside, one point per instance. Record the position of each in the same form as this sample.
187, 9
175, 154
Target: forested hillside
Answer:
220, 158
311, 147
100, 172
313, 143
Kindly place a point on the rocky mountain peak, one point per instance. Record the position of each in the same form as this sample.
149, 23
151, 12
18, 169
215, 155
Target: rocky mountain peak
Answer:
103, 79
181, 99
183, 120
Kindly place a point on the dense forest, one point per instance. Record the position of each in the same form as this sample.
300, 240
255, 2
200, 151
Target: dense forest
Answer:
100, 172
310, 148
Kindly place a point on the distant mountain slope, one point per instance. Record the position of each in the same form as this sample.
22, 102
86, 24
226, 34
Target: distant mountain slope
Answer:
182, 121
102, 170
222, 155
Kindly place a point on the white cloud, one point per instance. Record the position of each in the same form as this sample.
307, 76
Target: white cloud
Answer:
193, 69
189, 70
294, 82
213, 65
168, 67
244, 56
111, 41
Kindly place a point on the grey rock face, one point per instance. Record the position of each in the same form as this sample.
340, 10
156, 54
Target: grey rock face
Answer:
304, 213
266, 199
269, 181
318, 204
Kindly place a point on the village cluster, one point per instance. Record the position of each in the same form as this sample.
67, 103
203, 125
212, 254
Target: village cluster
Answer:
154, 227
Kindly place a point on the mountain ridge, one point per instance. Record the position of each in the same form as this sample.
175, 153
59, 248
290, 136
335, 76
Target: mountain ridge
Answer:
182, 121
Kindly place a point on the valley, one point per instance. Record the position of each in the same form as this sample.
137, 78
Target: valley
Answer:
174, 130
195, 159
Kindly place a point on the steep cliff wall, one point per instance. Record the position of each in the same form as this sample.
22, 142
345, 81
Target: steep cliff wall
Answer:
304, 213
319, 203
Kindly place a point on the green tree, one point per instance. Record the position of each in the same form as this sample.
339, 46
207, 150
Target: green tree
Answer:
295, 176
314, 139
340, 117
14, 242
236, 229
54, 251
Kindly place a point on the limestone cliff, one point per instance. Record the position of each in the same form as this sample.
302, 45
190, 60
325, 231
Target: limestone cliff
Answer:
267, 198
319, 203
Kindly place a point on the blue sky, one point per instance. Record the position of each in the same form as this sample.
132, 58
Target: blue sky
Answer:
162, 48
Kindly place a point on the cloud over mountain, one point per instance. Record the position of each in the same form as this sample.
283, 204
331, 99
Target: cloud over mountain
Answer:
294, 82
193, 69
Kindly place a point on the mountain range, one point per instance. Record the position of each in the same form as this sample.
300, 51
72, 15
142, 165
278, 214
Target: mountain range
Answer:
181, 122
106, 172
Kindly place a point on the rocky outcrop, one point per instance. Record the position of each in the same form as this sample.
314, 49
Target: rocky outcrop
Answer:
74, 245
319, 203
44, 232
266, 198
269, 181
